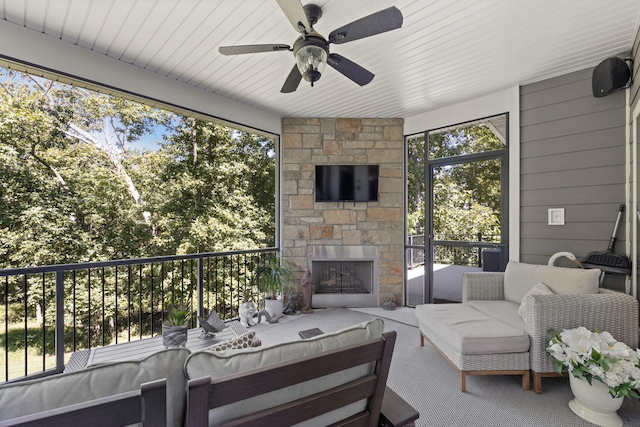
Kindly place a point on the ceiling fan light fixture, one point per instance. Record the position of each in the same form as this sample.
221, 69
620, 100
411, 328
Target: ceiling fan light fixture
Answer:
311, 57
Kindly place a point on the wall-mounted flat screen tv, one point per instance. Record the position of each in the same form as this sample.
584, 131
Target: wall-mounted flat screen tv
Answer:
347, 183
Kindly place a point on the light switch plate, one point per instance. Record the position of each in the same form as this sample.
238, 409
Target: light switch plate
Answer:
556, 216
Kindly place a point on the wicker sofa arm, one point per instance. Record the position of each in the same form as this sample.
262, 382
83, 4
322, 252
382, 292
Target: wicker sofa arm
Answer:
608, 310
482, 286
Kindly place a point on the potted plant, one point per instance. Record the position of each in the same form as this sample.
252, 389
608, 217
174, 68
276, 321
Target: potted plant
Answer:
175, 327
590, 356
272, 277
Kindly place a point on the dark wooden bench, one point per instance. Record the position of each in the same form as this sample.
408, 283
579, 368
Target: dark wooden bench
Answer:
205, 393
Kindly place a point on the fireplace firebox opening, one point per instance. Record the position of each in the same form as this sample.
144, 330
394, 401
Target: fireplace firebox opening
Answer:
342, 277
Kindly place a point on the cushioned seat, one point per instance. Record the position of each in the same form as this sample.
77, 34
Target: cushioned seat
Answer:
504, 311
470, 331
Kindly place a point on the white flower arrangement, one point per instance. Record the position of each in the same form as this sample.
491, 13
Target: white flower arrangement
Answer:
597, 355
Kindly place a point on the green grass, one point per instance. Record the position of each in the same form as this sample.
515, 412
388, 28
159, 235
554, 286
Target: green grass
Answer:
35, 358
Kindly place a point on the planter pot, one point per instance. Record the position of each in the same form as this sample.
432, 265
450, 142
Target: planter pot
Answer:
174, 336
594, 403
274, 307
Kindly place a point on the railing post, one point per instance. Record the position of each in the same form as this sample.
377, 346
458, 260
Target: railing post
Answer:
201, 287
410, 252
60, 320
479, 250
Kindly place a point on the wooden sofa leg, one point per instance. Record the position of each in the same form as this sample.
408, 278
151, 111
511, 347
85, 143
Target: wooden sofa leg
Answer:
421, 340
537, 383
526, 380
463, 382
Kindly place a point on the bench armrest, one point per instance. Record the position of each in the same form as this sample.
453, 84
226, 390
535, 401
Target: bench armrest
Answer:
607, 310
482, 286
396, 411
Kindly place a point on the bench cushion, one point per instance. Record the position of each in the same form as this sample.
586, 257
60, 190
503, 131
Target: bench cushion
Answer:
470, 331
37, 395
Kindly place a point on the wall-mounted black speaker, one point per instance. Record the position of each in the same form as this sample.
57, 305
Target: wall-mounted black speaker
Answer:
610, 75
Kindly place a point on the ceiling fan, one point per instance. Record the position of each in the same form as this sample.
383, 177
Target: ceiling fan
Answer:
311, 50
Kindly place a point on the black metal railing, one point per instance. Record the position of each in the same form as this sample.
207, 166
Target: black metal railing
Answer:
457, 253
52, 311
460, 249
415, 253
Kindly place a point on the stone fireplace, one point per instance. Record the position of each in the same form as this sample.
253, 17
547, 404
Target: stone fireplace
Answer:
344, 275
338, 236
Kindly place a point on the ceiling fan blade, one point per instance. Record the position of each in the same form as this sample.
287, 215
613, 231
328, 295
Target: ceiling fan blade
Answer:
350, 69
296, 15
379, 22
252, 48
293, 81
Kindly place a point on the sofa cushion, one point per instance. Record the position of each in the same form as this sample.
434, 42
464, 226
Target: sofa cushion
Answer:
539, 289
216, 365
519, 278
470, 331
30, 397
504, 311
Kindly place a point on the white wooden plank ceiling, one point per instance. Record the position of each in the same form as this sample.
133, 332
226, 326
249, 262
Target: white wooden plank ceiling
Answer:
446, 51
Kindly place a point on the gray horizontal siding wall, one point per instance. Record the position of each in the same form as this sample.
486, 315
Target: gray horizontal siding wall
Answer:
572, 156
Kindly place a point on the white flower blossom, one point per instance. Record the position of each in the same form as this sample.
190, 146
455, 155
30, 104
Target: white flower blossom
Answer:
615, 364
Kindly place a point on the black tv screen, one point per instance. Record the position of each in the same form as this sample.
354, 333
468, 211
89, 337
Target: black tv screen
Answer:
347, 183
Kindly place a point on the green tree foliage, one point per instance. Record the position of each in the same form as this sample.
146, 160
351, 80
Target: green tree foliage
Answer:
466, 195
460, 208
480, 179
37, 203
211, 181
415, 176
74, 189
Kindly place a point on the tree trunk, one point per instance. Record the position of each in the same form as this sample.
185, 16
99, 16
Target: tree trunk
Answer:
83, 136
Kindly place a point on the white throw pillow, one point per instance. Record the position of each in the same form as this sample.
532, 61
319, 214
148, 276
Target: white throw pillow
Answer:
539, 289
520, 277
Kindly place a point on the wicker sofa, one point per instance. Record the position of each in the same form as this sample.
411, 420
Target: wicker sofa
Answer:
502, 325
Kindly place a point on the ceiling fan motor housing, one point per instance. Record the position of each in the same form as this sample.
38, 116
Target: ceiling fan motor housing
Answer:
313, 12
